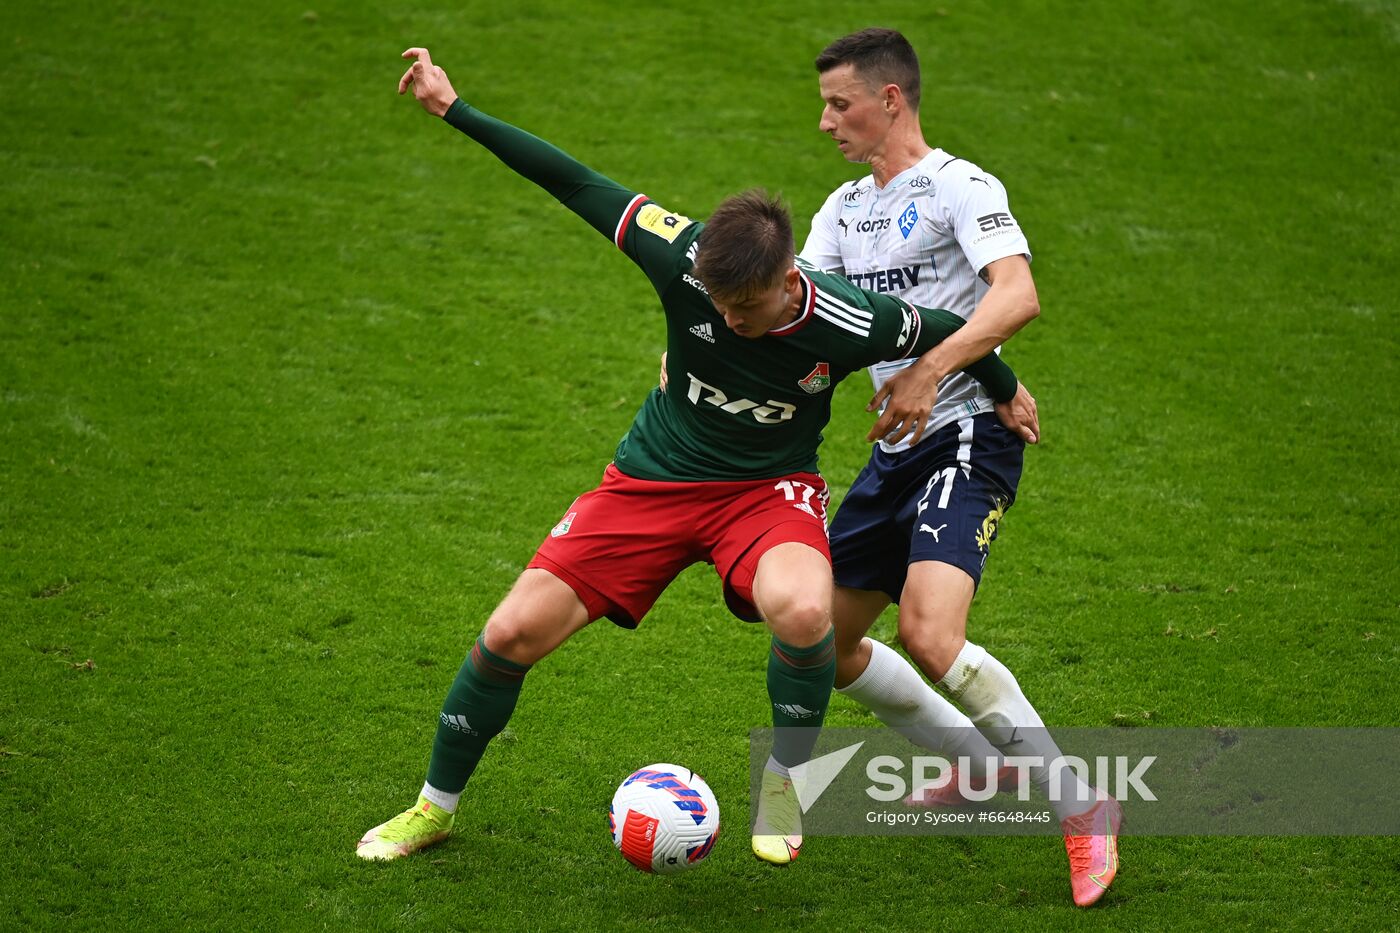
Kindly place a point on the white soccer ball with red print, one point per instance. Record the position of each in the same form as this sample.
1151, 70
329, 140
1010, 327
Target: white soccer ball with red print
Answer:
664, 818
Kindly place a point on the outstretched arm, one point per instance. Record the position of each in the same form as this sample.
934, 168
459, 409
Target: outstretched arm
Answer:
594, 197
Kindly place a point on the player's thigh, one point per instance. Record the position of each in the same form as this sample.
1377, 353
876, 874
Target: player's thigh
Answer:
538, 615
792, 590
620, 545
757, 518
853, 611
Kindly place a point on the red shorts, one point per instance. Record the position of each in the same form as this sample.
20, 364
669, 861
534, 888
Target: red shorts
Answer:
623, 543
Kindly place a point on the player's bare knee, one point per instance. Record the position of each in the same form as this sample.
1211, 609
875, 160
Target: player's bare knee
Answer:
510, 635
801, 620
933, 650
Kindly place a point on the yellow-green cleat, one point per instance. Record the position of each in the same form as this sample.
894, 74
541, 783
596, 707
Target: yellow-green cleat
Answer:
416, 828
777, 828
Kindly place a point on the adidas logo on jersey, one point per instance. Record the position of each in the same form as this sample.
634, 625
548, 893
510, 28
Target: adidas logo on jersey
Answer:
704, 332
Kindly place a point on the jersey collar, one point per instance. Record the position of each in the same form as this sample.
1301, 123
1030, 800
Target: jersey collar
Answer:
804, 314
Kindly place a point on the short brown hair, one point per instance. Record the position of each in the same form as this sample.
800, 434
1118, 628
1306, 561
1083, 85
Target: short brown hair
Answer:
878, 56
746, 246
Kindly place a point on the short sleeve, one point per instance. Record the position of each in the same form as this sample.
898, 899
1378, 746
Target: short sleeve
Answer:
981, 217
823, 247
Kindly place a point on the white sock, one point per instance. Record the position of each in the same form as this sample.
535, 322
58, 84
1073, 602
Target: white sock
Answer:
441, 798
894, 690
778, 769
994, 701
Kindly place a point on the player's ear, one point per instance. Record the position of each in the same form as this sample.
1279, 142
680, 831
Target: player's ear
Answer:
892, 97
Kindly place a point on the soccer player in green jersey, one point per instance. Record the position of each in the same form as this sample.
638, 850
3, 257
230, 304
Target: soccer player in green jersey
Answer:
719, 468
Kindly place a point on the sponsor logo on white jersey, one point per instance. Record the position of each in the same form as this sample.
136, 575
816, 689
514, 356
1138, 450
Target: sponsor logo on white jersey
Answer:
704, 331
886, 280
989, 222
908, 220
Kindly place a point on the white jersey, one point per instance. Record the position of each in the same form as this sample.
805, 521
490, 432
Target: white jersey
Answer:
925, 236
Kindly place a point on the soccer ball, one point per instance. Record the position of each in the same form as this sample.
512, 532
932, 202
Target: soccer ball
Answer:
664, 818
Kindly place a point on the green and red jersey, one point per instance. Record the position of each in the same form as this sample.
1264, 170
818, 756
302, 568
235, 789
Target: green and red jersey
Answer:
735, 407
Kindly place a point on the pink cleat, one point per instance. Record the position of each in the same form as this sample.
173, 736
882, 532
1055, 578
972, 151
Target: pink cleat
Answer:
1091, 840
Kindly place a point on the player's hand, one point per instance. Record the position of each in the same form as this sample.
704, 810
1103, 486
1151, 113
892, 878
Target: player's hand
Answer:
430, 84
908, 398
1020, 415
663, 380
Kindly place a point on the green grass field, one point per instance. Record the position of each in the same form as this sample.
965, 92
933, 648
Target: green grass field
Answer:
293, 381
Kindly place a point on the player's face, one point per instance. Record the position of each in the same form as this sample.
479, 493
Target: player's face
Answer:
759, 313
855, 114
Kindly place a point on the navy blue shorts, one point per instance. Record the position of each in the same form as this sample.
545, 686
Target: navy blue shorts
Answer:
940, 501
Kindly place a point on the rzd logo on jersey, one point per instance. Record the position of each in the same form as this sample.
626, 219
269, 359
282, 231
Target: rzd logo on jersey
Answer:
818, 380
771, 413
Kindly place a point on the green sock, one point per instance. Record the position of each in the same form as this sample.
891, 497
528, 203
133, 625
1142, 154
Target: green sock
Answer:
799, 686
477, 708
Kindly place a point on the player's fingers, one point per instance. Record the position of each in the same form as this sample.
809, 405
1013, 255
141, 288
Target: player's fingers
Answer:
1029, 428
919, 425
878, 398
880, 428
419, 53
900, 426
901, 431
404, 81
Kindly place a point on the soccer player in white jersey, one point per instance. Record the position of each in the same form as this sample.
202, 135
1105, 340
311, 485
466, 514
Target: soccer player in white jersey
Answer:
918, 522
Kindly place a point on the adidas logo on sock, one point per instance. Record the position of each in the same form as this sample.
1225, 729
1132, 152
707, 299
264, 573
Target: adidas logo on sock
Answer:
459, 723
795, 710
704, 332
